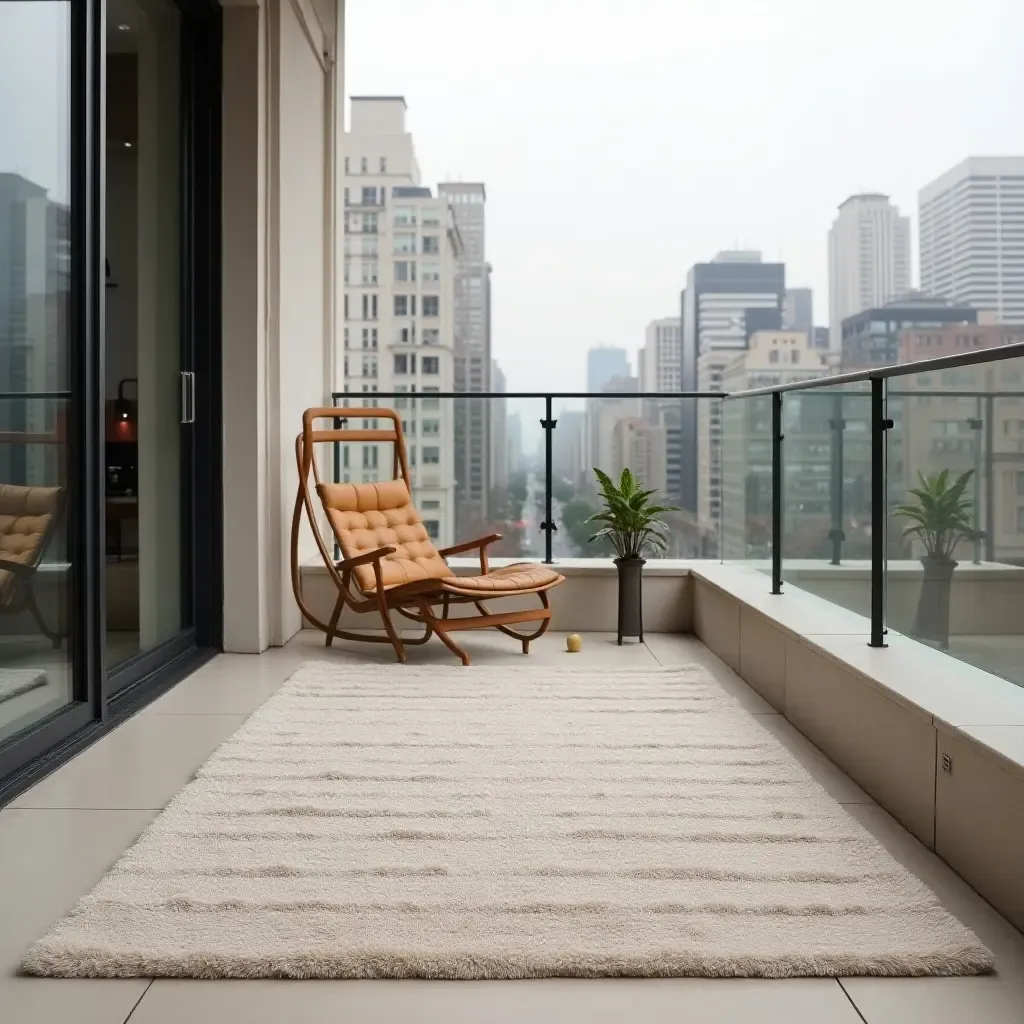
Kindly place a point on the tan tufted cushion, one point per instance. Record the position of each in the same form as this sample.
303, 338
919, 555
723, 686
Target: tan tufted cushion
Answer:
25, 516
523, 576
369, 516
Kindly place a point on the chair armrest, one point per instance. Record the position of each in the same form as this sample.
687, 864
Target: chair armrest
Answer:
364, 558
470, 545
19, 569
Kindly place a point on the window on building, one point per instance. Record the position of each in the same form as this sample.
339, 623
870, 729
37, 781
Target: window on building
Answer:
431, 270
370, 272
433, 527
431, 427
431, 455
431, 244
405, 270
346, 337
773, 357
405, 335
344, 456
430, 504
369, 246
369, 367
346, 307
401, 305
369, 197
404, 215
345, 367
364, 165
794, 356
346, 165
401, 364
430, 365
430, 402
405, 241
431, 336
430, 305
369, 224
383, 165
369, 456
348, 270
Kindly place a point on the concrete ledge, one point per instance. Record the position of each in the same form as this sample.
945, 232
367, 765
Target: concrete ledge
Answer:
886, 717
586, 601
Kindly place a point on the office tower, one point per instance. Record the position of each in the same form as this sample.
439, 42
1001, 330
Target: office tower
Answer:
35, 296
773, 357
972, 236
515, 444
659, 364
798, 310
715, 307
401, 250
640, 447
568, 447
497, 462
871, 337
603, 363
473, 445
601, 416
868, 257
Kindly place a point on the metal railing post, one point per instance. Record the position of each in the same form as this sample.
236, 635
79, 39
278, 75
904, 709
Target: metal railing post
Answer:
990, 505
776, 492
837, 425
548, 526
879, 425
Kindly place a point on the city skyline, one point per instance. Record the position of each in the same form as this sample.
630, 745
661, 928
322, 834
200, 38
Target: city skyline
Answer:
760, 161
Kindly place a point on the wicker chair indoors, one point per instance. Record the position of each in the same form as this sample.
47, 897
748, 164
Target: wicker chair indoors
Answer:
388, 562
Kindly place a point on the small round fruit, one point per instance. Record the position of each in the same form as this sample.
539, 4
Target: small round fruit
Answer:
574, 643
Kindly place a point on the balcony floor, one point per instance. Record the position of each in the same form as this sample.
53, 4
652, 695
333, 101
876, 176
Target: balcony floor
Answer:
59, 838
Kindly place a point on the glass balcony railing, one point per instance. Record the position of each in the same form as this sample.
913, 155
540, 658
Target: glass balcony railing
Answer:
896, 493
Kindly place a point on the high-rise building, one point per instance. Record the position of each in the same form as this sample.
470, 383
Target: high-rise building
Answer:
601, 415
972, 235
798, 310
871, 337
774, 357
868, 257
401, 248
568, 449
515, 444
497, 462
715, 305
603, 363
640, 447
472, 355
660, 363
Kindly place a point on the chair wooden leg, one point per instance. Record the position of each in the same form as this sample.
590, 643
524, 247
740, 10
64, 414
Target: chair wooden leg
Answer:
389, 628
431, 619
333, 624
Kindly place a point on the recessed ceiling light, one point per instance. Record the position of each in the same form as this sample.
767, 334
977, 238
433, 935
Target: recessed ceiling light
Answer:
127, 145
124, 28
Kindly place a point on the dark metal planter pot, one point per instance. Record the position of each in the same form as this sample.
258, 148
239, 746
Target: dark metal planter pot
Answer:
631, 597
931, 622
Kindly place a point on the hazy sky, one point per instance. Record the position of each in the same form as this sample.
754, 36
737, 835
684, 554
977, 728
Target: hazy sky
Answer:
621, 142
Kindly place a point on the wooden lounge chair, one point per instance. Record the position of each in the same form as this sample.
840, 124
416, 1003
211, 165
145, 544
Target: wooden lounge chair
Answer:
28, 521
388, 562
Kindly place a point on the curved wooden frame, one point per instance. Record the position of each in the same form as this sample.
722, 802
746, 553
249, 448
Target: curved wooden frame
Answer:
414, 600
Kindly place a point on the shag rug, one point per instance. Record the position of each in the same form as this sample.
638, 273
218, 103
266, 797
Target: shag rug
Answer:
504, 823
16, 681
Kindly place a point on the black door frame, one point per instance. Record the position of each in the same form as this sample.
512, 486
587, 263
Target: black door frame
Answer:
101, 699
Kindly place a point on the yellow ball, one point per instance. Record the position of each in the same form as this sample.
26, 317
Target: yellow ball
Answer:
574, 643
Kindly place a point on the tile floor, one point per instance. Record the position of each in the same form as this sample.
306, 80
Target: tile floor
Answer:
57, 840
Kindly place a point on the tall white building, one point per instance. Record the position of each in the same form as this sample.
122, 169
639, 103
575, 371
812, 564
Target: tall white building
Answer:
473, 418
972, 235
401, 248
868, 258
660, 363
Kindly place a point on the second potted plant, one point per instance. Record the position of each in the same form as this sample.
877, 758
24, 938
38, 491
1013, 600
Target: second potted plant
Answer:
632, 525
940, 517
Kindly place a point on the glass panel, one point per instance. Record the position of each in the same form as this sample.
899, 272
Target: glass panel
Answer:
143, 346
747, 481
955, 569
35, 283
826, 499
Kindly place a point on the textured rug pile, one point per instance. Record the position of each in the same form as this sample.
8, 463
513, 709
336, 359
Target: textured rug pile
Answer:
505, 823
16, 681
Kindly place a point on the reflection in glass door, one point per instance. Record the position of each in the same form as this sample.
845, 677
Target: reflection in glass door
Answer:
35, 387
146, 526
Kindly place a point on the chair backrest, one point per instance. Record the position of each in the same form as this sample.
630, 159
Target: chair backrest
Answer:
364, 517
369, 516
27, 517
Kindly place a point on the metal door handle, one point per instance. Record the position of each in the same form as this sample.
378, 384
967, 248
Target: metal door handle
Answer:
188, 397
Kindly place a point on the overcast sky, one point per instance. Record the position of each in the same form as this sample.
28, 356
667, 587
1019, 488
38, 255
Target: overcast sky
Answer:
621, 142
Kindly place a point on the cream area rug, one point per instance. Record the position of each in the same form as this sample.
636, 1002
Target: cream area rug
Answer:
504, 823
16, 681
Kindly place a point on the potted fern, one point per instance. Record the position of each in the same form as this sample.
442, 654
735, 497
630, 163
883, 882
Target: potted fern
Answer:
940, 517
632, 525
